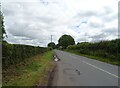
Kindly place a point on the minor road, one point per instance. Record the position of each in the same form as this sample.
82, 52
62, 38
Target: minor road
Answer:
74, 70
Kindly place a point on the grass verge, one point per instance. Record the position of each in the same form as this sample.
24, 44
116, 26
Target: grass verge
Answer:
31, 72
107, 60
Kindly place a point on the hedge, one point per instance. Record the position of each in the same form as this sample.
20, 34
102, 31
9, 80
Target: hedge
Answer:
16, 53
105, 49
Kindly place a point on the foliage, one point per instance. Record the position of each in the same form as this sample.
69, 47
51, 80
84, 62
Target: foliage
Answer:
2, 30
52, 44
14, 53
105, 49
65, 41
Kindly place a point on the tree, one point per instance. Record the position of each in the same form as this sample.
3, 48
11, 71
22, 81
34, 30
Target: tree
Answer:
66, 40
78, 43
57, 46
2, 30
52, 44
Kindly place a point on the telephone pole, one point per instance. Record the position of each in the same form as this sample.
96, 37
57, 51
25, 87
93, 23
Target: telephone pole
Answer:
51, 38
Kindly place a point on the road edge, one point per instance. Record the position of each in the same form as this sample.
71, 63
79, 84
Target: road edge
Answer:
51, 76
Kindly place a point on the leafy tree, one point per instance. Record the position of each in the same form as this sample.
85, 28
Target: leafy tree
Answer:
66, 40
52, 44
2, 30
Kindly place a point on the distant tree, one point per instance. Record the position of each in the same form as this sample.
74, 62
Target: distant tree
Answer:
66, 40
78, 43
57, 46
2, 30
52, 44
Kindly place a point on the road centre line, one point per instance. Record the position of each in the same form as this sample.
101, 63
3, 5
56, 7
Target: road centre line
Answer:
100, 69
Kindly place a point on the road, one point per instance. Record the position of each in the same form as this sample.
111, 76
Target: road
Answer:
74, 70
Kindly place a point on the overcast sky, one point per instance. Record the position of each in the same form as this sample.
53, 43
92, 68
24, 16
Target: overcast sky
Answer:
32, 22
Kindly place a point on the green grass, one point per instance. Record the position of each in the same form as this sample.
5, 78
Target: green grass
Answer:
32, 72
107, 60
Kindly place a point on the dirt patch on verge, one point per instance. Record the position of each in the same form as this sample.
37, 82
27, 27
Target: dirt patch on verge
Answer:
51, 76
48, 77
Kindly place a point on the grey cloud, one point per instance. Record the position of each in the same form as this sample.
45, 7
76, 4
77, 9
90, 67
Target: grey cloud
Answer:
33, 23
26, 39
119, 19
82, 39
47, 20
111, 31
96, 25
99, 37
106, 10
86, 14
110, 17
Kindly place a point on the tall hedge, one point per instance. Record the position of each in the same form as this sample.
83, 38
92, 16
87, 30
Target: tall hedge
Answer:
105, 49
14, 53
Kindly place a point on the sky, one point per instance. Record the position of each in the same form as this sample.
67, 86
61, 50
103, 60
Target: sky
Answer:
32, 22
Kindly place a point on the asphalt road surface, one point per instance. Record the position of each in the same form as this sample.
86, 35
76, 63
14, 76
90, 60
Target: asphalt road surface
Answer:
74, 70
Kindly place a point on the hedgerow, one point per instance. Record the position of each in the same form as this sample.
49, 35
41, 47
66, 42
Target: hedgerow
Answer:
105, 49
16, 53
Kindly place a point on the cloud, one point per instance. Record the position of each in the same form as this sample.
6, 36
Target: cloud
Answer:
33, 22
99, 37
96, 22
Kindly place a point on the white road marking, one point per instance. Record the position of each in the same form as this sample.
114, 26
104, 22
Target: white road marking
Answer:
101, 69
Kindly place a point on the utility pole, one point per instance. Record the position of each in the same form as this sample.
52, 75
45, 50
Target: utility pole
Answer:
51, 38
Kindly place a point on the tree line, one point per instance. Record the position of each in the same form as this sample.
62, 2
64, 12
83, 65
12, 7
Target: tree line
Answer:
109, 50
63, 42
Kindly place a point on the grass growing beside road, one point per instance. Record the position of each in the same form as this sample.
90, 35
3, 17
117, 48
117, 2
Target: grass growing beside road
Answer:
107, 60
33, 71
